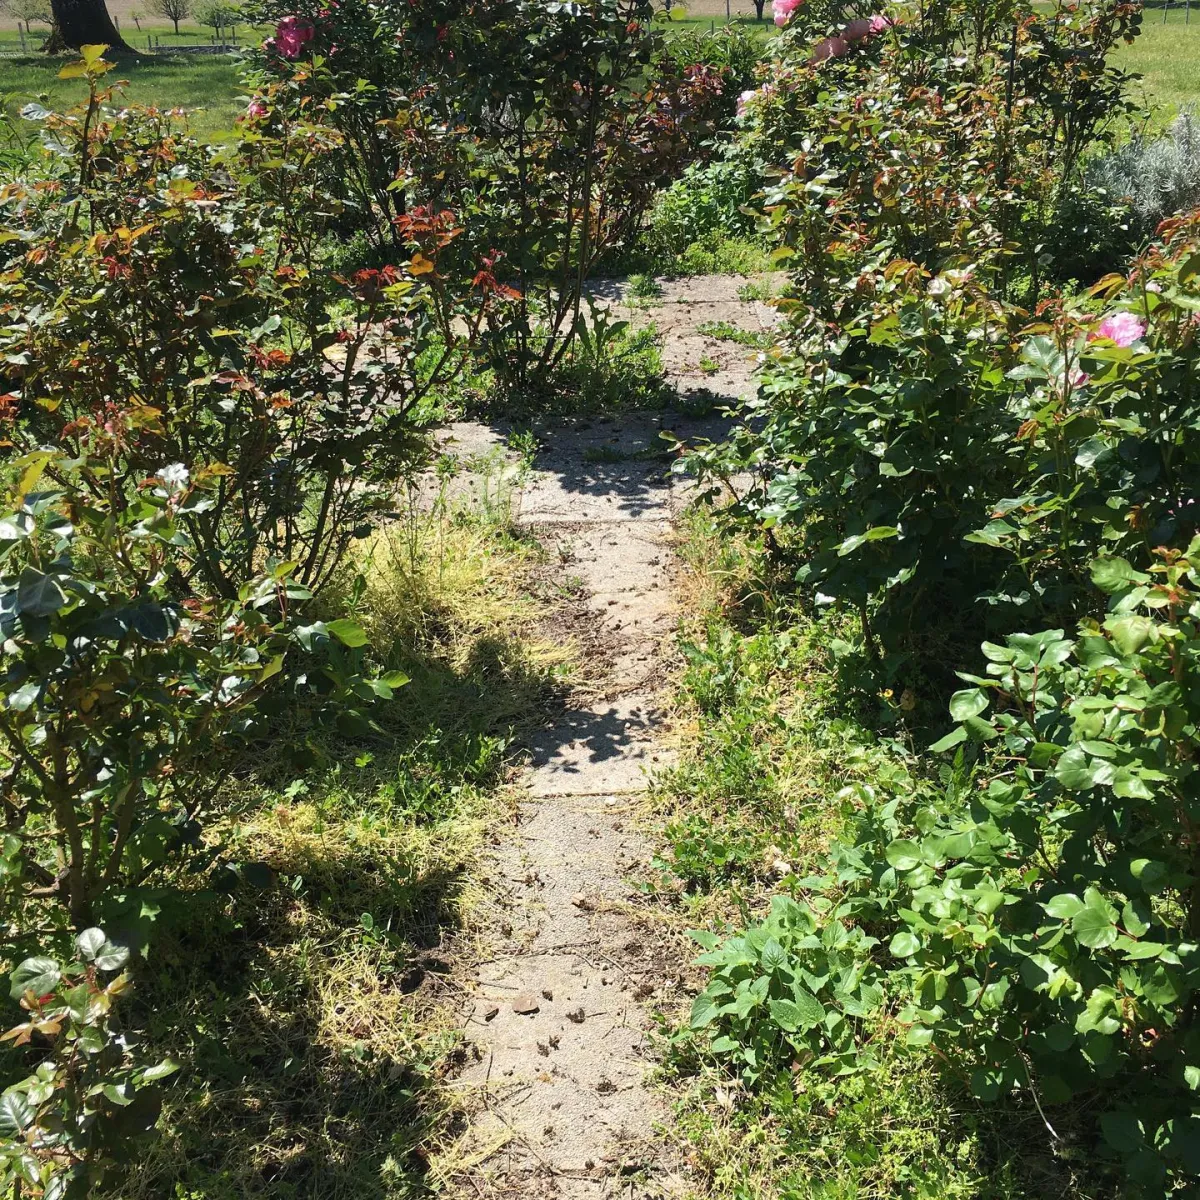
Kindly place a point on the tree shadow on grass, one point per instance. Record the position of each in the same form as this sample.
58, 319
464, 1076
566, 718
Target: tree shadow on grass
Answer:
310, 1004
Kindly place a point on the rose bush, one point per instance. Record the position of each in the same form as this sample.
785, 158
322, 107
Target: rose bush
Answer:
547, 129
948, 443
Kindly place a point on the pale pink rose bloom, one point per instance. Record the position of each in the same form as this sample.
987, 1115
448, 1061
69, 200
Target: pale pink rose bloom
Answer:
1077, 378
255, 109
879, 23
830, 47
744, 101
1120, 327
783, 9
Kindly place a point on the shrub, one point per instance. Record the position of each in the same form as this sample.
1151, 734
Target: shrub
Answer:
934, 139
926, 455
1156, 177
78, 1114
298, 394
707, 199
553, 124
947, 445
1030, 922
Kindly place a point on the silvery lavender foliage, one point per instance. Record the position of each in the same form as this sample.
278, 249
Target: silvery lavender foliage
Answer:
1157, 177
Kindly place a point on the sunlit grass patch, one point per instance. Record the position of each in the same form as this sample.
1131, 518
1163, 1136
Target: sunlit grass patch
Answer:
205, 86
306, 988
1165, 55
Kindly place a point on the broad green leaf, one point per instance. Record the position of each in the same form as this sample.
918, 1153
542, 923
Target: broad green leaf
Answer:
349, 633
954, 738
159, 1071
903, 854
705, 1010
1122, 1131
1078, 772
968, 703
1115, 574
90, 943
1064, 907
979, 729
1129, 634
1095, 925
16, 1113
904, 944
38, 594
804, 1011
38, 975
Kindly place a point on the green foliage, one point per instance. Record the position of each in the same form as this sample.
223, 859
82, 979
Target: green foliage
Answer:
596, 114
77, 1115
113, 688
789, 986
294, 392
951, 449
697, 225
920, 465
1037, 911
202, 423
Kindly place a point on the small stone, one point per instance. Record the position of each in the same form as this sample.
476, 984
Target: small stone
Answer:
547, 994
577, 1016
606, 1087
491, 1012
526, 1004
580, 900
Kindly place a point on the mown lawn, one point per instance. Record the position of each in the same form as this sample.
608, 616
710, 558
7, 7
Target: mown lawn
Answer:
209, 86
1167, 56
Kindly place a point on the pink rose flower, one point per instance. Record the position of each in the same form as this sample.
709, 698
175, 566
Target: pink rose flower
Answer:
256, 109
879, 23
744, 101
783, 9
1121, 327
830, 47
292, 34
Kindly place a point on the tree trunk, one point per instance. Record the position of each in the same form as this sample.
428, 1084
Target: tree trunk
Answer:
84, 23
759, 5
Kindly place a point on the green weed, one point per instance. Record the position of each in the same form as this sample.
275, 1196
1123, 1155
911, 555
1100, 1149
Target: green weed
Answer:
777, 763
723, 331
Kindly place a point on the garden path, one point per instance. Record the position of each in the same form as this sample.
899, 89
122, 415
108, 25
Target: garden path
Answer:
561, 1016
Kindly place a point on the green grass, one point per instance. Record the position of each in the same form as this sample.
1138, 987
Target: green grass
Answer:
152, 34
783, 743
308, 998
206, 86
764, 29
1168, 58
